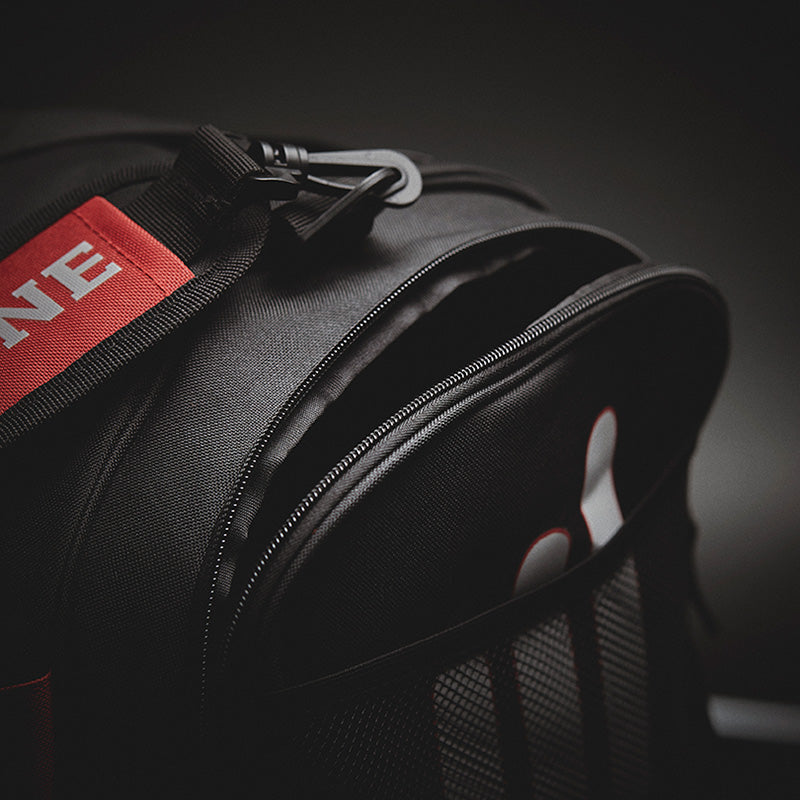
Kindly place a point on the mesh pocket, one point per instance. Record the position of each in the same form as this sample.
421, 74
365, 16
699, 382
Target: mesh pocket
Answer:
578, 690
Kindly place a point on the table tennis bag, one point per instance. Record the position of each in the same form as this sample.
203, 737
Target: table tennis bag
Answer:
334, 473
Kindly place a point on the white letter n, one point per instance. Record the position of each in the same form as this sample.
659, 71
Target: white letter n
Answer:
44, 309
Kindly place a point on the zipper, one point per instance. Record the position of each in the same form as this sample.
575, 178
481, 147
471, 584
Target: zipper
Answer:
558, 317
312, 378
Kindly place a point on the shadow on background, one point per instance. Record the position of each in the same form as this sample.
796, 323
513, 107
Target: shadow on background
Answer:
676, 129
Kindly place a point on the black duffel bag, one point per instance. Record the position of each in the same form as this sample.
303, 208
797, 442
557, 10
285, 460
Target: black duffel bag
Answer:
338, 473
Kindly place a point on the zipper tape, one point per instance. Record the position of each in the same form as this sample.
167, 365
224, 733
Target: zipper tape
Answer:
548, 323
215, 591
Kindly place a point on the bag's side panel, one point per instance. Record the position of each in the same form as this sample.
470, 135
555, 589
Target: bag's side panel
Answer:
134, 476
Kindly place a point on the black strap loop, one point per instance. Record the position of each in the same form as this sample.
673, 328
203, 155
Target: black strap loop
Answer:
181, 207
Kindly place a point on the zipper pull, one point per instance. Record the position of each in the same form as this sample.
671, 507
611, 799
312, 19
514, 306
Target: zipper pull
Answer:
289, 168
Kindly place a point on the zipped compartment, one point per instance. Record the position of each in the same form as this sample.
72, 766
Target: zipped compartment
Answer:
581, 253
554, 330
458, 308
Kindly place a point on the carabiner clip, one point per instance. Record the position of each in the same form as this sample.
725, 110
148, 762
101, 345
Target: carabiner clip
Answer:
289, 168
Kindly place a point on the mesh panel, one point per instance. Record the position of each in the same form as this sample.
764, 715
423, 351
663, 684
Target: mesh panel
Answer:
623, 661
551, 706
559, 702
380, 746
466, 732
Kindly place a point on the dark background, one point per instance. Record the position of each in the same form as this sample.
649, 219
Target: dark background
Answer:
675, 127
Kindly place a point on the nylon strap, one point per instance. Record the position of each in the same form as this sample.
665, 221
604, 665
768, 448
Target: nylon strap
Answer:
179, 208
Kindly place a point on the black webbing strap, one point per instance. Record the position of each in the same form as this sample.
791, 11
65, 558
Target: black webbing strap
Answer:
318, 223
180, 207
196, 211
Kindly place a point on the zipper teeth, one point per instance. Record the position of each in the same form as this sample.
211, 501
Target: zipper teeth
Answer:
311, 379
545, 325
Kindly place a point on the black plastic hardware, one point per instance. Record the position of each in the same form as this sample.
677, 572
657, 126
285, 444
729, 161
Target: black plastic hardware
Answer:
370, 186
289, 168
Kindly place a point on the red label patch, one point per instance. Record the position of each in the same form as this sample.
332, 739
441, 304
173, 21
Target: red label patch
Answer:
72, 286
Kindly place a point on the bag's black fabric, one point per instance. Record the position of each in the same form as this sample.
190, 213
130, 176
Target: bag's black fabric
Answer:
274, 537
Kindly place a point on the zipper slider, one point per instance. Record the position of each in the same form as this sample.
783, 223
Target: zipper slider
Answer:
289, 168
